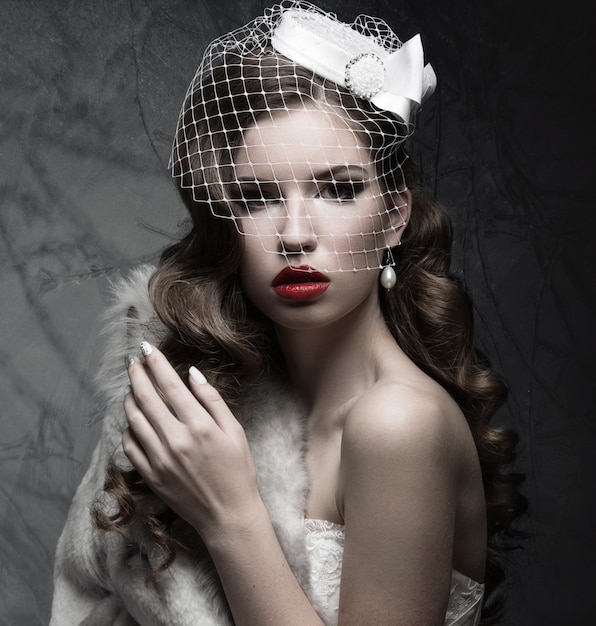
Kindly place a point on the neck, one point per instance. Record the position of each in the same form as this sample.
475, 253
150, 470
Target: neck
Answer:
333, 365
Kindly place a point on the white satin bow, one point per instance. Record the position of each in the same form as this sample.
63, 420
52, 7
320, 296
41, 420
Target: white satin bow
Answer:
395, 81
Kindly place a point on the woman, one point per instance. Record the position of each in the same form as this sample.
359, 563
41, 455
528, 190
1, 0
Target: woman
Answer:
310, 442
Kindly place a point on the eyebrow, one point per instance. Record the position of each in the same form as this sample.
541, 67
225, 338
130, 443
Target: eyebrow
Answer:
358, 170
322, 174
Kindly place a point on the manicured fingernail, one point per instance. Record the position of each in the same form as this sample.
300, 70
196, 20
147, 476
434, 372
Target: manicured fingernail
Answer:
146, 348
129, 360
194, 373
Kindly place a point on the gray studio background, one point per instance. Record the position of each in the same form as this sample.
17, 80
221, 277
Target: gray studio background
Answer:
89, 96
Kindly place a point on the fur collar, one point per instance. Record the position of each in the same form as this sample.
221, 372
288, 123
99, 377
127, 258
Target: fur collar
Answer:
100, 578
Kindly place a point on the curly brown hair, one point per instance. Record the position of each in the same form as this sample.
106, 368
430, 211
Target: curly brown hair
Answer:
196, 293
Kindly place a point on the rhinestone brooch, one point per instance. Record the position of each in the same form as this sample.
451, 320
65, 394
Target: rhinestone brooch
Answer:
365, 75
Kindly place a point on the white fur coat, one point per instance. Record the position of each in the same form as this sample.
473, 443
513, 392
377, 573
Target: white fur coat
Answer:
99, 577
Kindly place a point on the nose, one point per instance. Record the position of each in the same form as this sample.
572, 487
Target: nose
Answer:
297, 234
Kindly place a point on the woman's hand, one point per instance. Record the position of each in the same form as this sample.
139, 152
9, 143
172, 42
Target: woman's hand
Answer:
193, 453
188, 446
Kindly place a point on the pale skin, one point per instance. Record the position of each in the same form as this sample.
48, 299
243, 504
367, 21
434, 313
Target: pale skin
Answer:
390, 455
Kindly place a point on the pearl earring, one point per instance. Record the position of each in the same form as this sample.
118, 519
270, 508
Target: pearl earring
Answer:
388, 278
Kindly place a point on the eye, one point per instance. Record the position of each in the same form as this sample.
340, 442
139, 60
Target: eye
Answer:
253, 197
342, 191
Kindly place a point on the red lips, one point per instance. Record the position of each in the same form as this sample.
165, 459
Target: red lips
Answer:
300, 283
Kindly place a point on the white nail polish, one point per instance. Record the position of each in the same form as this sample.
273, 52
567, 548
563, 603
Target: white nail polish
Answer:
146, 348
129, 360
194, 373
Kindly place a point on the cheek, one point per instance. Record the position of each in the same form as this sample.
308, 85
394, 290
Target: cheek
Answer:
255, 273
364, 237
261, 233
360, 245
345, 242
260, 242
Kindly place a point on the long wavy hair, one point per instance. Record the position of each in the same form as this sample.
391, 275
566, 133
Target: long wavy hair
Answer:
196, 293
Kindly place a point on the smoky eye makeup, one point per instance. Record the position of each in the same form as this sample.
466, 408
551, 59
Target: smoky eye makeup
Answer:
336, 183
342, 191
342, 183
253, 195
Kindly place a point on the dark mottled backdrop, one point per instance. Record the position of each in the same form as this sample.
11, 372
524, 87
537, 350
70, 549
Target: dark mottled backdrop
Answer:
89, 95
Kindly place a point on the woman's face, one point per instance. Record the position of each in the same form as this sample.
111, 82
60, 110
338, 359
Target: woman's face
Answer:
307, 200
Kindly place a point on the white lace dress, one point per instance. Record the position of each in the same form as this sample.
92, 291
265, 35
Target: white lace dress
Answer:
325, 544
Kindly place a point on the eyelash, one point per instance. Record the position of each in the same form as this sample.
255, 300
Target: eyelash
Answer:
256, 198
343, 191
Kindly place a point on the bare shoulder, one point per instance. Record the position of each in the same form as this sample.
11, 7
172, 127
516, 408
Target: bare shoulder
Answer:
414, 420
400, 479
407, 460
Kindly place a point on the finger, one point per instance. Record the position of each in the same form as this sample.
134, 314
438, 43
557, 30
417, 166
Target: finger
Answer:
141, 427
212, 401
151, 400
176, 393
135, 453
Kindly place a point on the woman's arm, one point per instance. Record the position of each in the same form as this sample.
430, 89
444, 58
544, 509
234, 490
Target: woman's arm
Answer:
198, 461
398, 485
